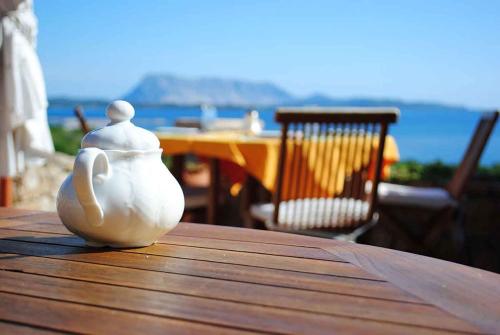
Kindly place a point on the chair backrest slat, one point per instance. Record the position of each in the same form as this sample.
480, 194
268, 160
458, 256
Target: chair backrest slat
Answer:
470, 160
329, 153
281, 165
378, 166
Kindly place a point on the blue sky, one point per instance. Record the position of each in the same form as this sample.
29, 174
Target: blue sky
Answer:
445, 51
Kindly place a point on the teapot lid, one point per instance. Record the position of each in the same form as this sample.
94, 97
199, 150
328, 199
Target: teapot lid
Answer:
120, 133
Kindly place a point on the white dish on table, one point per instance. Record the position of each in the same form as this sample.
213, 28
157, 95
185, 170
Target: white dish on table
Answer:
270, 133
177, 130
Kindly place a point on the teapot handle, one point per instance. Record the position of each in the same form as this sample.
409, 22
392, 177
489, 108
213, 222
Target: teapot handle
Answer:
89, 164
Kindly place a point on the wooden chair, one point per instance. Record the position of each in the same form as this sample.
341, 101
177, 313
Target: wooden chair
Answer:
78, 111
442, 204
328, 158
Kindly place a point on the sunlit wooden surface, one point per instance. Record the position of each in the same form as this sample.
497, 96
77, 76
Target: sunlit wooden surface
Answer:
209, 279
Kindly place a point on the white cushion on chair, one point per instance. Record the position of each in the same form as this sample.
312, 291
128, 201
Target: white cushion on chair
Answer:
312, 213
427, 197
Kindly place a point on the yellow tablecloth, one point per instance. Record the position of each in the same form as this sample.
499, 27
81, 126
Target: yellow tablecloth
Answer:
258, 156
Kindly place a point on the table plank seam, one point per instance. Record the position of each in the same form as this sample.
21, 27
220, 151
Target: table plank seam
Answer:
16, 217
135, 312
207, 261
199, 276
256, 252
314, 289
421, 302
174, 233
35, 326
223, 325
246, 241
338, 260
208, 298
319, 246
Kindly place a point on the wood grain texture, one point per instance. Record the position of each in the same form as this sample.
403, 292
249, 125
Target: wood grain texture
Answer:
248, 235
52, 222
20, 329
78, 318
7, 212
210, 279
418, 314
265, 262
249, 317
282, 296
201, 242
469, 293
236, 273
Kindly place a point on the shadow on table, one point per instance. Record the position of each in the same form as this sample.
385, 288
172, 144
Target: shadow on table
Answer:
18, 246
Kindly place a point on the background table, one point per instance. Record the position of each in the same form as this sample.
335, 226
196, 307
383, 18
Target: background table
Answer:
210, 279
257, 156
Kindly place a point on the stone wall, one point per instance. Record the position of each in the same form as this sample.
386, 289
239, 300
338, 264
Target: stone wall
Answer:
38, 186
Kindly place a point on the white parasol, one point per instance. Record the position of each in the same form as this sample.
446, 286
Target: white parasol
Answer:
24, 133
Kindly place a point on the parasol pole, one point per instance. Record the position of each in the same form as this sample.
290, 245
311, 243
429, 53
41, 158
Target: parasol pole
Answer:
6, 186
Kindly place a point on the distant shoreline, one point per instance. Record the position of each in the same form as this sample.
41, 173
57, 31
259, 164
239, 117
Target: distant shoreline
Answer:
361, 102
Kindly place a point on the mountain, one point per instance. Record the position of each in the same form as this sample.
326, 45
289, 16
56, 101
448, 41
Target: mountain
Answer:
167, 89
174, 90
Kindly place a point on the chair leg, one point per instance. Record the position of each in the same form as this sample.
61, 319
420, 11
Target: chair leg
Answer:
393, 225
458, 237
356, 233
441, 222
448, 219
466, 247
213, 191
178, 164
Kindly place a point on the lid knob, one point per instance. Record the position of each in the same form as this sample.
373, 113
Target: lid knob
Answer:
119, 111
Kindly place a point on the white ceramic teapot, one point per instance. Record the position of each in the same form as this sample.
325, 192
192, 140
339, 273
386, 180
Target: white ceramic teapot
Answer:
120, 193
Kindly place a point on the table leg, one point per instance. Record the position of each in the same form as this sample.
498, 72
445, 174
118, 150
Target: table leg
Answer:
6, 190
248, 197
178, 164
213, 190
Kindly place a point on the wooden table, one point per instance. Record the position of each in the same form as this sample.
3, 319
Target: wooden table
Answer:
205, 279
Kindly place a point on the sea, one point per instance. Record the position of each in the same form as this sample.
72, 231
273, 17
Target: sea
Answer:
425, 135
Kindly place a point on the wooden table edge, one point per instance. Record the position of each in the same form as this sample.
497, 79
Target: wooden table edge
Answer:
429, 279
468, 293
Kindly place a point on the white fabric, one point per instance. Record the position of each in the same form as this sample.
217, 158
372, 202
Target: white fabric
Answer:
426, 197
24, 131
312, 213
